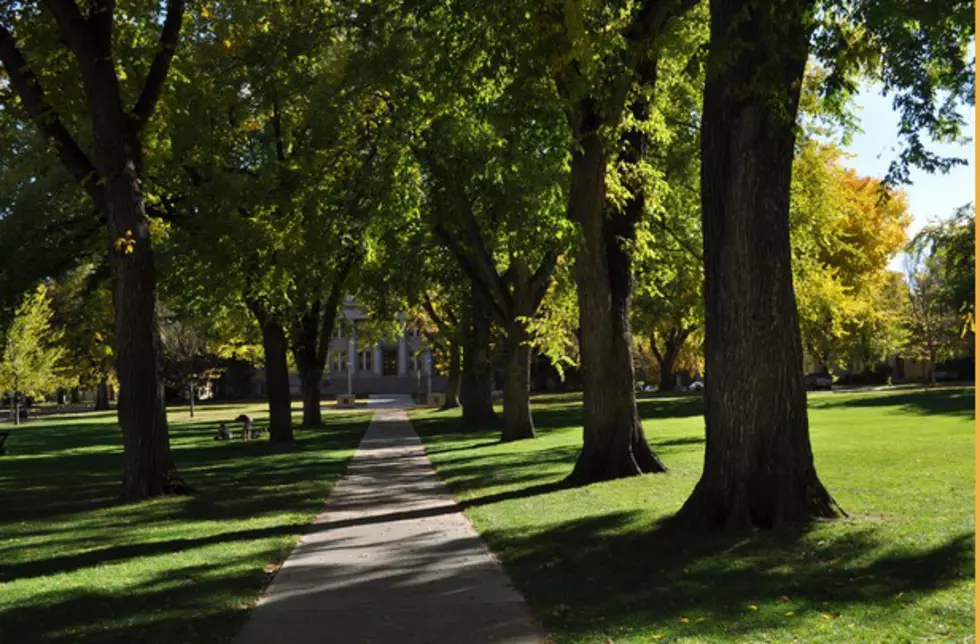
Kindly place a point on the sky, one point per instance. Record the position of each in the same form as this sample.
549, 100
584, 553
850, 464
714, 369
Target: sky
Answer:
931, 196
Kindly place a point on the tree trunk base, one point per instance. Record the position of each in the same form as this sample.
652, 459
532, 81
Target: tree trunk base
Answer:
451, 403
171, 485
599, 466
511, 434
717, 510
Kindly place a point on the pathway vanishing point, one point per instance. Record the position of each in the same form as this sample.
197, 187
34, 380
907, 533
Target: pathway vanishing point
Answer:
392, 559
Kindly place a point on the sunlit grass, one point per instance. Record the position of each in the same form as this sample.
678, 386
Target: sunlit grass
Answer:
596, 567
76, 566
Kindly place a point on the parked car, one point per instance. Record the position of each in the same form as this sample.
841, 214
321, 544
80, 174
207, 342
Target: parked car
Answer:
818, 381
697, 385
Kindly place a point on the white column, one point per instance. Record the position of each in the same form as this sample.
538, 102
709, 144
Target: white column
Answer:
376, 360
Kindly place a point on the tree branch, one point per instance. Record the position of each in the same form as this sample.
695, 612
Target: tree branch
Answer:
541, 279
31, 94
153, 87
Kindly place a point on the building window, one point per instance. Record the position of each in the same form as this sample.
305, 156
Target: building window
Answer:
367, 360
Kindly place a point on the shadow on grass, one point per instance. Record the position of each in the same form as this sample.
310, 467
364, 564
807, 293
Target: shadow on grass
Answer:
596, 576
951, 401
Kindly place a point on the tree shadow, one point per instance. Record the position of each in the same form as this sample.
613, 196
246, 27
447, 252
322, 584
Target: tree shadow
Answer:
946, 401
600, 575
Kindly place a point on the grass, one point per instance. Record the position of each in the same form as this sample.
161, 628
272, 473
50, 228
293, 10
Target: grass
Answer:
76, 566
596, 565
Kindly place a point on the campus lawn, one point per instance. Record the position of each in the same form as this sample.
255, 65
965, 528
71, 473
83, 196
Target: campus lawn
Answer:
75, 566
596, 565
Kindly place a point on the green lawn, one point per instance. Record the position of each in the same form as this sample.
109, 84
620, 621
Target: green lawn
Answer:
75, 566
596, 567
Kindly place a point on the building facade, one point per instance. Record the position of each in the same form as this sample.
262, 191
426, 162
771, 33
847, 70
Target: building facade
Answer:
402, 364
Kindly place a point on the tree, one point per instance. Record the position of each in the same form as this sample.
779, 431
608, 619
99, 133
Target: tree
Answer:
952, 242
188, 361
30, 351
495, 199
605, 64
937, 283
844, 231
758, 468
288, 153
82, 304
110, 175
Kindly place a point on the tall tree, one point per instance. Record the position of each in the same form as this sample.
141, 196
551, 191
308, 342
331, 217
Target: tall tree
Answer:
605, 63
30, 351
495, 198
113, 118
758, 467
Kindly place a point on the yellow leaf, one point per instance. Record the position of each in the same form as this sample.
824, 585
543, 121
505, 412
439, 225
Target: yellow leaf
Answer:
684, 620
753, 607
788, 614
226, 43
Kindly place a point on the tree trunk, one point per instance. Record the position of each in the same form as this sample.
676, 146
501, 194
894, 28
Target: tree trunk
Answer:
101, 396
758, 464
518, 423
477, 381
614, 445
310, 372
192, 391
16, 401
75, 397
149, 467
274, 347
454, 377
666, 362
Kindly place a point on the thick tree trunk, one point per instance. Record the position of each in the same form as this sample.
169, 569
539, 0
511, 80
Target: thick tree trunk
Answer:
518, 423
477, 381
16, 401
149, 467
758, 465
101, 396
614, 445
310, 370
75, 396
274, 347
454, 376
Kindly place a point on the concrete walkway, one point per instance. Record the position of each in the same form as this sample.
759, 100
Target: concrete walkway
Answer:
390, 560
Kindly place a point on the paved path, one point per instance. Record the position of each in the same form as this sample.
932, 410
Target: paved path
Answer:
390, 560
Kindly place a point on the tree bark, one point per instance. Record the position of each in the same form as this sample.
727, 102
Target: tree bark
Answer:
454, 376
758, 464
274, 347
614, 445
477, 381
101, 396
192, 391
518, 423
16, 402
310, 369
